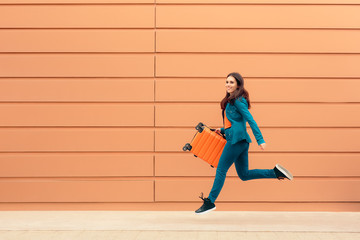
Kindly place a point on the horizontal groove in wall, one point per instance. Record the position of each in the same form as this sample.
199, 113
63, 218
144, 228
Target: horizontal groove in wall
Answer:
257, 4
70, 102
163, 178
262, 102
158, 127
173, 28
177, 2
179, 77
174, 53
77, 53
159, 2
296, 178
76, 152
74, 28
150, 52
80, 178
248, 128
249, 52
100, 3
255, 28
259, 202
79, 127
155, 153
266, 152
175, 203
263, 127
119, 103
161, 152
316, 153
167, 102
122, 153
247, 77
74, 78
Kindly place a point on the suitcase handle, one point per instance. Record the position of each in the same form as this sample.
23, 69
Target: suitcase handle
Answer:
222, 135
200, 128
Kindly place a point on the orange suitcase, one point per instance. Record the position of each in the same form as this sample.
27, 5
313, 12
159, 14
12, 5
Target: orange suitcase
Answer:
206, 145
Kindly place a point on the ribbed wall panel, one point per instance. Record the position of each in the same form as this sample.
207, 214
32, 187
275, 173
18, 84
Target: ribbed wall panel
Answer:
297, 114
281, 90
289, 139
76, 90
98, 98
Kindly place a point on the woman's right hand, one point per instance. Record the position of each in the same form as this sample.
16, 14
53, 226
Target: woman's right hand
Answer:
218, 130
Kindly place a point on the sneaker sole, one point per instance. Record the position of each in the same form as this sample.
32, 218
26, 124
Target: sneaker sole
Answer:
206, 211
285, 172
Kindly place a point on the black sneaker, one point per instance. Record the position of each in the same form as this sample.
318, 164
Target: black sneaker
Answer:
207, 206
282, 173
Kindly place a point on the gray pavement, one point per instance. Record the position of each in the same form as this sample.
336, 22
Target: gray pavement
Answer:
21, 225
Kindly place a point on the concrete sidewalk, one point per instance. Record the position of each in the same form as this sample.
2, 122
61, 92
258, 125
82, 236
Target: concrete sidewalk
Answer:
178, 225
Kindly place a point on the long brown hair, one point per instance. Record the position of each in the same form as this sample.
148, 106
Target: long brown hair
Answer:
239, 92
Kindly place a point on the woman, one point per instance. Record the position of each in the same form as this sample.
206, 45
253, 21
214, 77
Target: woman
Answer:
235, 111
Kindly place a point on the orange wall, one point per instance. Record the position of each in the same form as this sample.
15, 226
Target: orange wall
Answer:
97, 99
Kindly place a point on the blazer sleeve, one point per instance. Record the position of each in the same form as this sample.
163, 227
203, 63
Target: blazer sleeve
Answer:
242, 106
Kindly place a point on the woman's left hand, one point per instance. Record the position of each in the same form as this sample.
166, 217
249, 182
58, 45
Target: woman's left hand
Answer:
263, 146
218, 130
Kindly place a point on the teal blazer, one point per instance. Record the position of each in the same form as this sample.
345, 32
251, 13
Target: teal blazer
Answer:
238, 114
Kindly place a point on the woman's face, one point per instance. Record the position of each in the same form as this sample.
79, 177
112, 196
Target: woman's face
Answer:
231, 84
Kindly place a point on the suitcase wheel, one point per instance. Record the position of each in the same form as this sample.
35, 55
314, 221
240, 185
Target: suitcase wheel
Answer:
195, 156
212, 166
199, 127
187, 147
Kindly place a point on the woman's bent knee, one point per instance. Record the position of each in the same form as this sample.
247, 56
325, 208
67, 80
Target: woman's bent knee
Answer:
244, 177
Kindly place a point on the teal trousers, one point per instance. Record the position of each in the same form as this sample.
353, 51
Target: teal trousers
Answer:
237, 153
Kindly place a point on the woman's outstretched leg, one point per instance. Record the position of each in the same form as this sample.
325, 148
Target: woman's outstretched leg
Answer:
242, 168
